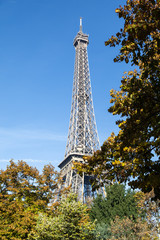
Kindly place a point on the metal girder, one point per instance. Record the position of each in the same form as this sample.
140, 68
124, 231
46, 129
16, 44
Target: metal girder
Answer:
82, 136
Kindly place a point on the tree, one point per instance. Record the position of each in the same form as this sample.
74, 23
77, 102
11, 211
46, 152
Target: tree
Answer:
140, 37
24, 192
146, 227
119, 203
151, 209
133, 155
125, 214
128, 229
71, 222
102, 231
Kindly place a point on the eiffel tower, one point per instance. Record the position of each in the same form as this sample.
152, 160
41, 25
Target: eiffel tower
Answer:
82, 137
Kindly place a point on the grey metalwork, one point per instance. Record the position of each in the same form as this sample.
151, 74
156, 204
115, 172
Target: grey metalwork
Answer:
82, 137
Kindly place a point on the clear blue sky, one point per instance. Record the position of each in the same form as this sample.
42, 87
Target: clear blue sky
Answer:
36, 74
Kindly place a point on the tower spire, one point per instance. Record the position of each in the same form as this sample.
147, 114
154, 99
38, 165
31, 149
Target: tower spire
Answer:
80, 24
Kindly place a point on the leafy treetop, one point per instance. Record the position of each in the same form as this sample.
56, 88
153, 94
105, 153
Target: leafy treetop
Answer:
24, 192
133, 154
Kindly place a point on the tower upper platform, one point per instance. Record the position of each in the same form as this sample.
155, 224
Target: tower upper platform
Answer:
81, 38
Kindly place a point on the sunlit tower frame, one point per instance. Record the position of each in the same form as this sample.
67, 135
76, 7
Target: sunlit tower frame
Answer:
82, 136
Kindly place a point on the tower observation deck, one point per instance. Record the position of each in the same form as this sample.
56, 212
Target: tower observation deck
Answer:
82, 136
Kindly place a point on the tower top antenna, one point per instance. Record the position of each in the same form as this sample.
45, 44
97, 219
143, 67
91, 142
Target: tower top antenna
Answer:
80, 24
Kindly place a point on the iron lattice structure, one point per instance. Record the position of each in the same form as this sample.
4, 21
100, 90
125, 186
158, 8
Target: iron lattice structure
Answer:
82, 137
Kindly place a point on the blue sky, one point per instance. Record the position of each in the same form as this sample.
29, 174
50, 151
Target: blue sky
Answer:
36, 74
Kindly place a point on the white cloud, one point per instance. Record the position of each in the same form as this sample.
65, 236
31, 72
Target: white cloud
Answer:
34, 146
25, 160
28, 134
4, 160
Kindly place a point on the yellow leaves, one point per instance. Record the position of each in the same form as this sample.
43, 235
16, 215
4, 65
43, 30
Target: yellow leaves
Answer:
138, 101
117, 10
26, 192
121, 124
135, 160
116, 162
130, 73
123, 164
128, 149
125, 149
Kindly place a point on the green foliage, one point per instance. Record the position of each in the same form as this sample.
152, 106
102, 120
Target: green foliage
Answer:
71, 222
119, 202
102, 231
24, 192
125, 215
